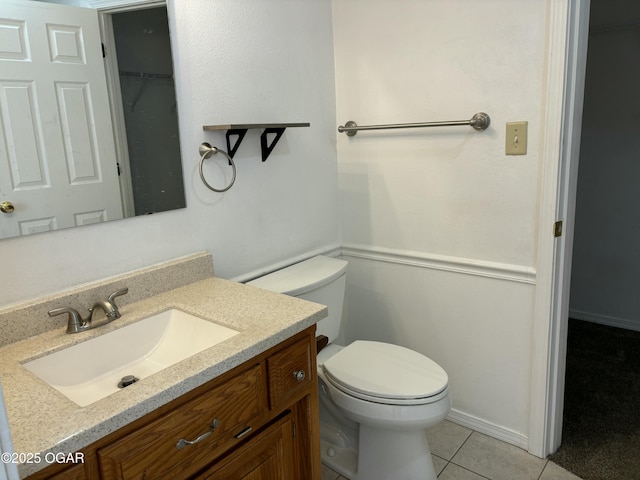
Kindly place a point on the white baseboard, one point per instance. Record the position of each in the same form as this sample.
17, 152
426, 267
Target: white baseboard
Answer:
482, 426
625, 323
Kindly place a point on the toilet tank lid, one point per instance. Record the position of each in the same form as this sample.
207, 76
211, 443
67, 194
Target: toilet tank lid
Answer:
302, 277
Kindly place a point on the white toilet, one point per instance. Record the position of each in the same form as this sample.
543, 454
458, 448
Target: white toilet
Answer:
376, 399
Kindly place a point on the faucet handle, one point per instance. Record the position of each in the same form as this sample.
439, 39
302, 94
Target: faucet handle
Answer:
118, 293
74, 323
73, 313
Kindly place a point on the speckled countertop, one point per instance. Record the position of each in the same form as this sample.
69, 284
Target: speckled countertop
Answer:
42, 420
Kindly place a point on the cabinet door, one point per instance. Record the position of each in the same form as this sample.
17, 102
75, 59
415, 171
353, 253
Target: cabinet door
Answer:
269, 456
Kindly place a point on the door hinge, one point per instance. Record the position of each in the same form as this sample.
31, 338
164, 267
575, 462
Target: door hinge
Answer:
104, 52
557, 229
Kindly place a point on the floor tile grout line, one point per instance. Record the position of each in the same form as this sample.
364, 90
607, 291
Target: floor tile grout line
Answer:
454, 454
445, 467
468, 470
450, 461
461, 445
543, 468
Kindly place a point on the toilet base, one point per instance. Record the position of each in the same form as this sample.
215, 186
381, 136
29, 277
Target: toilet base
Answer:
394, 454
387, 454
341, 460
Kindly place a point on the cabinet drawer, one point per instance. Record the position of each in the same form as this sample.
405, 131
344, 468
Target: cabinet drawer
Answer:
156, 451
289, 371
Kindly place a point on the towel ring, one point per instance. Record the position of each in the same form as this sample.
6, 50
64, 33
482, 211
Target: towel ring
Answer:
206, 151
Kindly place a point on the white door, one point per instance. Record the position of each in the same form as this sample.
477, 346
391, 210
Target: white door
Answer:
57, 158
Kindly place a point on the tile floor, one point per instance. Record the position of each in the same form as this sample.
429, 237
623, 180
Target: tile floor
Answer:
460, 453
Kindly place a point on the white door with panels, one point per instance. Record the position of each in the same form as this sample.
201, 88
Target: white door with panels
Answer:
58, 165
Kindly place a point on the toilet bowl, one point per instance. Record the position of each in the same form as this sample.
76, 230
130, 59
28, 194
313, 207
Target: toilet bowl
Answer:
376, 399
394, 394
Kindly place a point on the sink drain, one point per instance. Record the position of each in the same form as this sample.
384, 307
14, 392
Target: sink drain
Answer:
127, 380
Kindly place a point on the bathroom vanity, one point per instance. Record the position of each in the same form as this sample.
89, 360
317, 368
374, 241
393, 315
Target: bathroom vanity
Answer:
245, 408
257, 421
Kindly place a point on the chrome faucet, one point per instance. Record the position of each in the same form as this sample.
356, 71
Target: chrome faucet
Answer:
108, 307
78, 324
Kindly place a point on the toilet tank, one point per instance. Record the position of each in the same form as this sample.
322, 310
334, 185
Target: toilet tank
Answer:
319, 279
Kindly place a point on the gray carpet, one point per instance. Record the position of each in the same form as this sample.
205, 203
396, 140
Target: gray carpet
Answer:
601, 431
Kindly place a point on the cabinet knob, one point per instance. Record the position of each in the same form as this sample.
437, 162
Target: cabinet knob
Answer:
299, 375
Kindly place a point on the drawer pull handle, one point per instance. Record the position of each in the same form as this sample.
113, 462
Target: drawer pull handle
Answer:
183, 443
243, 432
299, 375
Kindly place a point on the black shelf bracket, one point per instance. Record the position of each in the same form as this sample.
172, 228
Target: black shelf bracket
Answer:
235, 132
265, 147
240, 130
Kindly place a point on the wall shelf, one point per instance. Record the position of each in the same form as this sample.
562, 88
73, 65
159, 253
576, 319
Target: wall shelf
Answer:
239, 130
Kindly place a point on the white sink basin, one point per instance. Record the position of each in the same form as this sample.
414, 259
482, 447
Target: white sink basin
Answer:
91, 370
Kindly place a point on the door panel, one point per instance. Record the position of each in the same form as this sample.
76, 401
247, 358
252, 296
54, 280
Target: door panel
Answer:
56, 138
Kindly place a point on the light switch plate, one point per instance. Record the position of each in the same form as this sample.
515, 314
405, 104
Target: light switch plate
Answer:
516, 138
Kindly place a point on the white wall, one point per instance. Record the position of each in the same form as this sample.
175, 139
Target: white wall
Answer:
606, 257
440, 226
242, 61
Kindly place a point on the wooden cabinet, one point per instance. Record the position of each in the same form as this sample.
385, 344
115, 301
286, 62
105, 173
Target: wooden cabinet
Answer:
259, 422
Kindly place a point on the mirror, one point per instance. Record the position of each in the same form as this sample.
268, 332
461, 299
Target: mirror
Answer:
85, 138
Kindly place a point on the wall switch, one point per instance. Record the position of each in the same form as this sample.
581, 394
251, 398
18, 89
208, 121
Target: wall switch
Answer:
516, 138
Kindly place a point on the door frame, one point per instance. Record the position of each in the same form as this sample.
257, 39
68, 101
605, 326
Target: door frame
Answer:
106, 9
568, 33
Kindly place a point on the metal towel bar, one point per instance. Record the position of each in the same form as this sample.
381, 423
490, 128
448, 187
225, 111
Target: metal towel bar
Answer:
480, 121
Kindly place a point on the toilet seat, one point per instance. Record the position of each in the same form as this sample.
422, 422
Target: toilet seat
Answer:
386, 373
